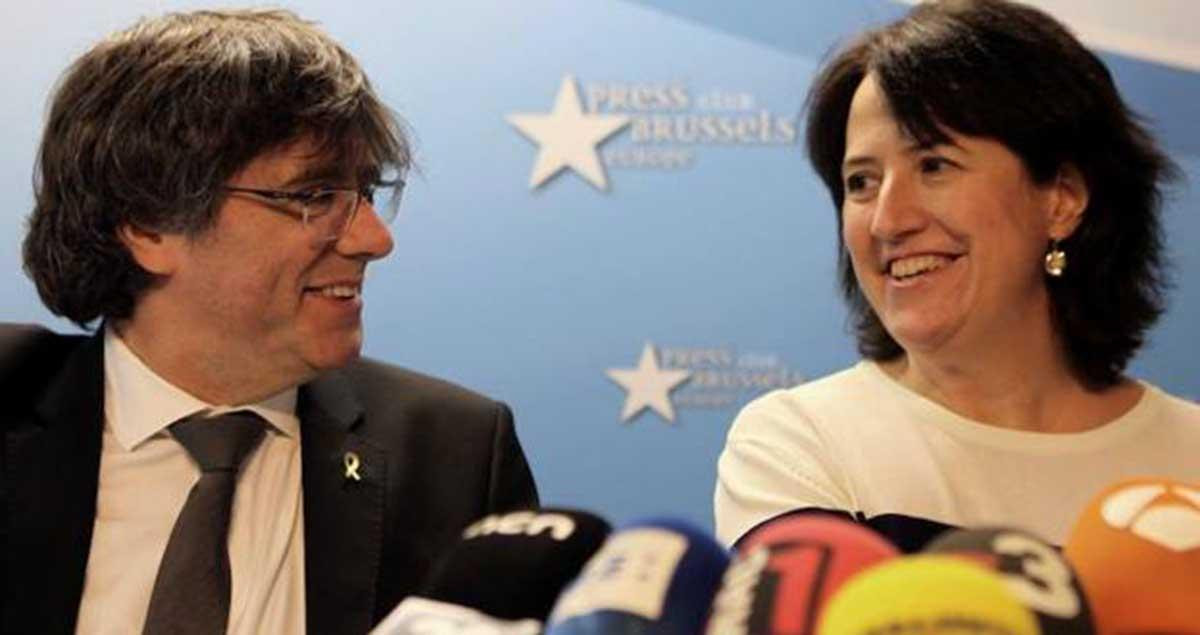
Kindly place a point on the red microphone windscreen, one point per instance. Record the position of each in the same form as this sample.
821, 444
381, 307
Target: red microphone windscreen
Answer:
1136, 548
786, 571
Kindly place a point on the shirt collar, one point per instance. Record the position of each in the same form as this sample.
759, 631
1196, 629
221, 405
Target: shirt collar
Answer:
139, 403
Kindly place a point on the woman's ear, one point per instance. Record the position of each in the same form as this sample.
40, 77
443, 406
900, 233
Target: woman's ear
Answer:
156, 252
1068, 202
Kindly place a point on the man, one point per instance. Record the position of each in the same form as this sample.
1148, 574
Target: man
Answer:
211, 187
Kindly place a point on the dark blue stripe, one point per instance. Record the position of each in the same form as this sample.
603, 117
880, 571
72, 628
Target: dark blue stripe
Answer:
909, 534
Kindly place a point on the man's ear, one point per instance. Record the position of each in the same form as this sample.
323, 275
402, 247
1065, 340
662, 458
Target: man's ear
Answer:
156, 252
1070, 200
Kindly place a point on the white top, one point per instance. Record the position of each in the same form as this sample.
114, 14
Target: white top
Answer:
859, 441
145, 478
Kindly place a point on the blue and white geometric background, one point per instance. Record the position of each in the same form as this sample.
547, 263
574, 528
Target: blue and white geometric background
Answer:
682, 260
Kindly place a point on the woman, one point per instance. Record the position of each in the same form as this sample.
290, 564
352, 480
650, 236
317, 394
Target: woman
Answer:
1000, 254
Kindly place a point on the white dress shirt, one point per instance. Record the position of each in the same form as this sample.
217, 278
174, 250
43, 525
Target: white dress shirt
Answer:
145, 478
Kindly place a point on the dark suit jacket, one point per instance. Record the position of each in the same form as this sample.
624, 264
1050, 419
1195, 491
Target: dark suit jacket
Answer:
434, 457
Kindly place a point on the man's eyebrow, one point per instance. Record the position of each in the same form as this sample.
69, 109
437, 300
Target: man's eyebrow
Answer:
324, 171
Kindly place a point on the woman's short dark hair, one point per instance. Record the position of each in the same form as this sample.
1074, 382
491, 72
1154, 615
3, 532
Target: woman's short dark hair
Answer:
145, 128
1011, 73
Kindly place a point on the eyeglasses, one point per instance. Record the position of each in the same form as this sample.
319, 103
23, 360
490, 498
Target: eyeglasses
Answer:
329, 211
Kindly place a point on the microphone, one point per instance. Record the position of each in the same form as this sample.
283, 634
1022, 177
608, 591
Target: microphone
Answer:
651, 577
1036, 574
1136, 548
926, 594
418, 616
513, 566
787, 569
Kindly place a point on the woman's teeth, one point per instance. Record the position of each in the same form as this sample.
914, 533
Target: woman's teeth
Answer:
908, 267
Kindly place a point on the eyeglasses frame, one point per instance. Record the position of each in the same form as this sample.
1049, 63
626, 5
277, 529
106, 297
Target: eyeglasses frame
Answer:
305, 197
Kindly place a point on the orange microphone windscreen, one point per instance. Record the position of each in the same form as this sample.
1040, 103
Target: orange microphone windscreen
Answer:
1136, 549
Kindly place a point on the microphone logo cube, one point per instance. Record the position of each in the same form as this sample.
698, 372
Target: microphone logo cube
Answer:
630, 574
1167, 517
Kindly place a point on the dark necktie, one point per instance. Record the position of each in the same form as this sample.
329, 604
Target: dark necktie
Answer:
191, 591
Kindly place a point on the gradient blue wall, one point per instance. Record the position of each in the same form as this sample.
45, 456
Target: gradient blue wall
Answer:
724, 265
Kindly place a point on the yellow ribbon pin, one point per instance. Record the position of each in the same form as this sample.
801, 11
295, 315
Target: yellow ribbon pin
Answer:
351, 462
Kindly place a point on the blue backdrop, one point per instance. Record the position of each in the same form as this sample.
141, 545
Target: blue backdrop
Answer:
681, 262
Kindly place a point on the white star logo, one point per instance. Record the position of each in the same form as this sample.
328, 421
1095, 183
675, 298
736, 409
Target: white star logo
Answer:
648, 386
567, 137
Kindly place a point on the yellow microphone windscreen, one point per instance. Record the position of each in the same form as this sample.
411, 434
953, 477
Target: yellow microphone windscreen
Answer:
926, 595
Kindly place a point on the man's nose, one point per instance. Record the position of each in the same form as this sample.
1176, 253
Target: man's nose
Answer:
367, 237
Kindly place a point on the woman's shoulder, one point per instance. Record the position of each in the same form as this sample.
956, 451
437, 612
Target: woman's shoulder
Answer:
1160, 421
1175, 410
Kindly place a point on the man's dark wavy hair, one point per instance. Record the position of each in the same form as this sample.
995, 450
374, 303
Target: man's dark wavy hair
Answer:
1008, 72
145, 128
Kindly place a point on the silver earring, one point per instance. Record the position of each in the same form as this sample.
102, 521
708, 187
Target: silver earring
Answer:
1056, 260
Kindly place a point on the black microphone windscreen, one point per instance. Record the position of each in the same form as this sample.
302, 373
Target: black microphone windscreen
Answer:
513, 566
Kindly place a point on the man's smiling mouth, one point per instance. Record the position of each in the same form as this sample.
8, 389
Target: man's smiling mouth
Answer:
336, 291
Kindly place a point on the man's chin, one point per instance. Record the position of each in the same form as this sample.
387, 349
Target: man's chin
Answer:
334, 355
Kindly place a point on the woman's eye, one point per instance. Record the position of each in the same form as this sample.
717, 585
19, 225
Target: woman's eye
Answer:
934, 165
857, 182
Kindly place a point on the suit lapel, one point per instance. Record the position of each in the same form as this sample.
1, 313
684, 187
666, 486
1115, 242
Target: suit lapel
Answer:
53, 463
343, 516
